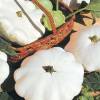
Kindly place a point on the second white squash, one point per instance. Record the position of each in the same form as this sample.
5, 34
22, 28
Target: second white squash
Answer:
51, 74
87, 48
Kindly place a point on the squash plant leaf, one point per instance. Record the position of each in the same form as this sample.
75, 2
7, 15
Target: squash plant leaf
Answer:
91, 84
5, 96
93, 81
94, 7
95, 1
6, 47
84, 95
58, 17
97, 98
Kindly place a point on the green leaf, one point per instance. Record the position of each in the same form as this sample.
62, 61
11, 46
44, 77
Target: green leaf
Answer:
86, 98
5, 96
58, 17
85, 94
96, 14
97, 98
95, 8
6, 47
93, 81
47, 4
95, 1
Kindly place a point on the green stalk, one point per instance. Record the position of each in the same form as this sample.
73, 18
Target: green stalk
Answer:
57, 4
77, 11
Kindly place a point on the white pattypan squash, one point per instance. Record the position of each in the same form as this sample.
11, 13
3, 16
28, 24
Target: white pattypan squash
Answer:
20, 21
4, 67
87, 48
51, 74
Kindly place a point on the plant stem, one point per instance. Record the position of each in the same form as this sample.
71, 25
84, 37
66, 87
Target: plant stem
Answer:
77, 11
48, 13
57, 4
44, 43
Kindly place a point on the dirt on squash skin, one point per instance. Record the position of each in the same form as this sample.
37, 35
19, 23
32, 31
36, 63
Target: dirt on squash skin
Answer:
78, 27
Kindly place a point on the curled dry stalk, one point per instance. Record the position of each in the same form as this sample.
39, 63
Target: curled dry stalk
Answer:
47, 42
53, 26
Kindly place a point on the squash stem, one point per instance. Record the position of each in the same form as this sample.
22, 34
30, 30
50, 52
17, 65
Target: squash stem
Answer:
77, 11
53, 26
57, 4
